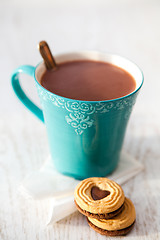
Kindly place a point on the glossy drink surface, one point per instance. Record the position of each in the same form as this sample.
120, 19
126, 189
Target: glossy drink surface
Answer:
89, 81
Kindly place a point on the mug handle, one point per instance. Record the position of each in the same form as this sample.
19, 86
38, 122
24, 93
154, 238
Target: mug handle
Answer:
29, 70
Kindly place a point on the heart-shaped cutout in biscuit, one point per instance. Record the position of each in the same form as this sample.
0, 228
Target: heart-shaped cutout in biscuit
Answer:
98, 194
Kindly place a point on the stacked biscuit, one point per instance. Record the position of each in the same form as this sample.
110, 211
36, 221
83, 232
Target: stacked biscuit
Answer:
103, 202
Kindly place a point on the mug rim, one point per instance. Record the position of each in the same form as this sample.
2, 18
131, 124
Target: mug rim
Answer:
98, 53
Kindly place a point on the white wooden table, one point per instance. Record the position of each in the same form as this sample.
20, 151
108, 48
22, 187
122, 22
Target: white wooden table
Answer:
130, 28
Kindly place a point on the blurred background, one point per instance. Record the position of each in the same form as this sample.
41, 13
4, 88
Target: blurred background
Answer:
130, 28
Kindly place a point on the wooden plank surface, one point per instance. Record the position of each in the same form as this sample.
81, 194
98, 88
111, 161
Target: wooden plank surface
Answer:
130, 28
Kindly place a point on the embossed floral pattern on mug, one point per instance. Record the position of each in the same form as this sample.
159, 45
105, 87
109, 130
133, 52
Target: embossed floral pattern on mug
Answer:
80, 114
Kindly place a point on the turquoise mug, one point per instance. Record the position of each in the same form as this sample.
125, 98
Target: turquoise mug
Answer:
85, 137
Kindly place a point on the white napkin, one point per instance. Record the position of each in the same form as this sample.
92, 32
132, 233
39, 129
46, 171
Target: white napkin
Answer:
48, 183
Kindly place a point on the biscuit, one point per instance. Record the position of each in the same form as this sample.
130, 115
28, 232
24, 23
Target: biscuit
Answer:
111, 233
99, 216
99, 198
119, 225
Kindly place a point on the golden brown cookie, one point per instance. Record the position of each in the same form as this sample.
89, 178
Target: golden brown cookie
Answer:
99, 216
118, 225
99, 197
111, 233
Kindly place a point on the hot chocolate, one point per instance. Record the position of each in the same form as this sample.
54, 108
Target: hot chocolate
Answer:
88, 80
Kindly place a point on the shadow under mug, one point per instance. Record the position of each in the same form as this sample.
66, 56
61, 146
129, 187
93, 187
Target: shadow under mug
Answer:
85, 137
